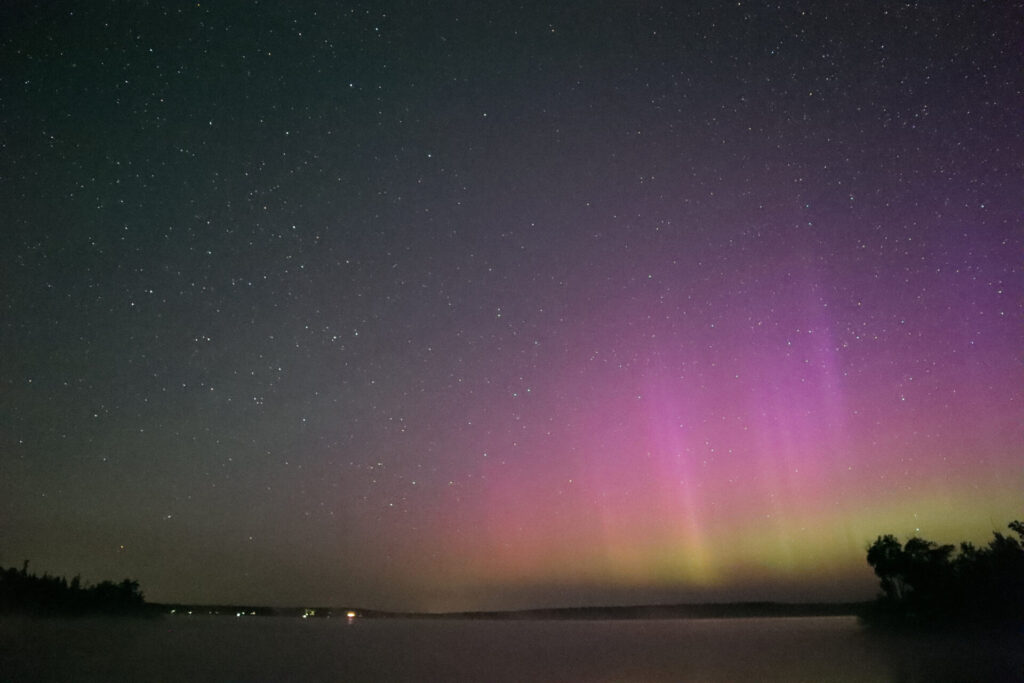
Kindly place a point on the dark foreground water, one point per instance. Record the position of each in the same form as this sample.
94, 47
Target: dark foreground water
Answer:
277, 649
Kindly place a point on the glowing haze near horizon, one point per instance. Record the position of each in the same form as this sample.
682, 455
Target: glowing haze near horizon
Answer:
507, 307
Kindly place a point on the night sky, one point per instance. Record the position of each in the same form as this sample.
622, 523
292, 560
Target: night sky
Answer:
490, 305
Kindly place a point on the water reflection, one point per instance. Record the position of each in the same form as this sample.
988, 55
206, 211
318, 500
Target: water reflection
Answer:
270, 649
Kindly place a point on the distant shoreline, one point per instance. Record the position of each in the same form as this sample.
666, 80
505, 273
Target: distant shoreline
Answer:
730, 610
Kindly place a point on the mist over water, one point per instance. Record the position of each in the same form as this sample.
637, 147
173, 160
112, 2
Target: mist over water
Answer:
278, 649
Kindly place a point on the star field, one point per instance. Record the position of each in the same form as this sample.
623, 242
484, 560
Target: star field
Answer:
458, 307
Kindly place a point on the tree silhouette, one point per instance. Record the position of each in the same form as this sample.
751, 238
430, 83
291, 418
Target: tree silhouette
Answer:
887, 558
923, 582
21, 592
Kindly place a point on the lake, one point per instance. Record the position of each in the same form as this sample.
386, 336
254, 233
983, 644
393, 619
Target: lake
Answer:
184, 648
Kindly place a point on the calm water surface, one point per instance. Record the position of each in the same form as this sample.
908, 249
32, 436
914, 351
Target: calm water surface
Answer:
277, 649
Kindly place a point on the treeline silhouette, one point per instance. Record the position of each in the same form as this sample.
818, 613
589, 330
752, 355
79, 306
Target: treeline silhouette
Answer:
25, 593
925, 584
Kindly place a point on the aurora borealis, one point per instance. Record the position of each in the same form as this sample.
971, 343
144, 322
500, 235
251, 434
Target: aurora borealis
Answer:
491, 306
